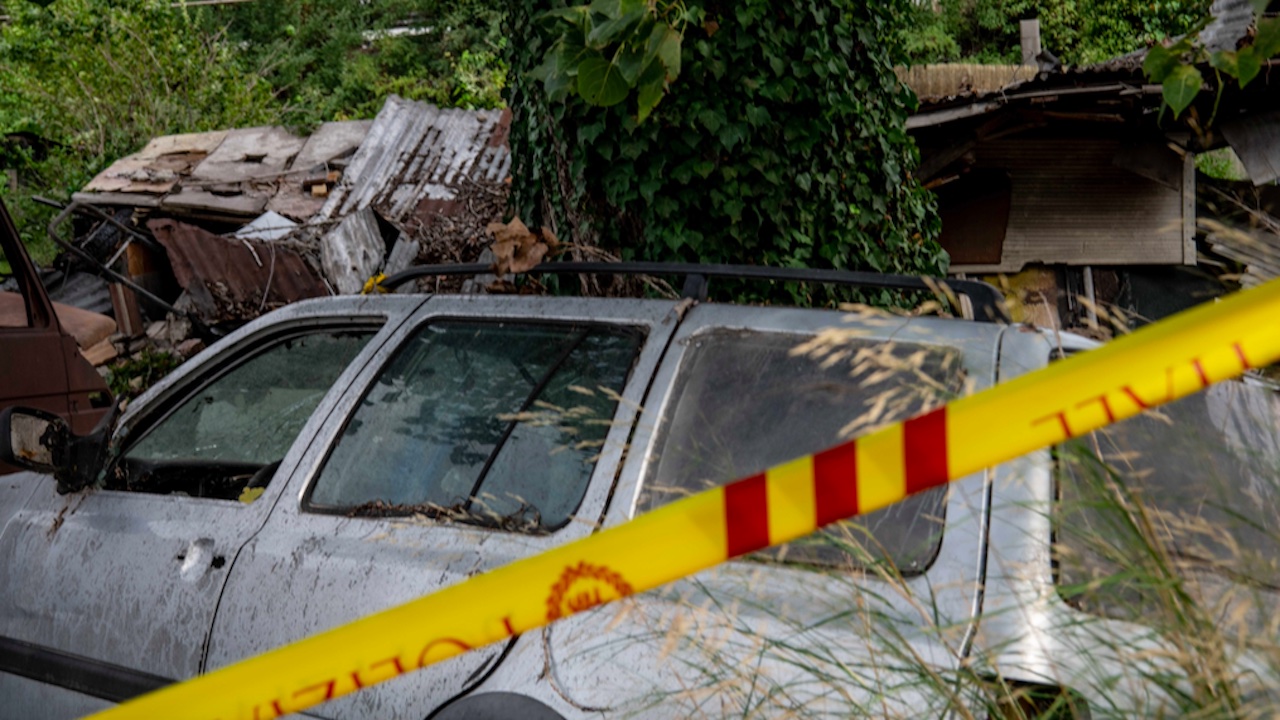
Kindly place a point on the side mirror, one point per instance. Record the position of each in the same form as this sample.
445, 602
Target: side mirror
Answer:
33, 439
43, 442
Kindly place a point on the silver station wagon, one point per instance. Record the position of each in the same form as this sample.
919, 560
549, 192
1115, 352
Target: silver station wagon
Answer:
341, 456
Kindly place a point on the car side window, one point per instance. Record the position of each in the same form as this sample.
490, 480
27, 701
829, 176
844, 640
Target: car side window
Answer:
1178, 503
489, 423
746, 401
242, 422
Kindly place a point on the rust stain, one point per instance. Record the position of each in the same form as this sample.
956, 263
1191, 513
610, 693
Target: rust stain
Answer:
235, 279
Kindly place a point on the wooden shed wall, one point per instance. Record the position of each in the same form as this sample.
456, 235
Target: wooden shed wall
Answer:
1072, 205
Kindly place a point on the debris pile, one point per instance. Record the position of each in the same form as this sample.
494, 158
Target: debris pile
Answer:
197, 234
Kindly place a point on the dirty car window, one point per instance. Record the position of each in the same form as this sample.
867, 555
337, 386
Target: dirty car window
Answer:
249, 416
484, 422
1181, 501
747, 400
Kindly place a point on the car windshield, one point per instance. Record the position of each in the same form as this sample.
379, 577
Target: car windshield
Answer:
748, 400
1180, 502
484, 422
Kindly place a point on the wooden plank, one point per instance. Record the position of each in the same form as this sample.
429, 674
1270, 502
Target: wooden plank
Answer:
1256, 140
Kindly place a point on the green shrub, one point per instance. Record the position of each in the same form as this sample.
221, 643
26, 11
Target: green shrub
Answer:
781, 143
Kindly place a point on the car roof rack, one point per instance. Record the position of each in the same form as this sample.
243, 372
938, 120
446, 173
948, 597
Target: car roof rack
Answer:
988, 303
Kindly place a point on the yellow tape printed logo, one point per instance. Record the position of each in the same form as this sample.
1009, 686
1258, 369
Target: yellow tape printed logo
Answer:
584, 586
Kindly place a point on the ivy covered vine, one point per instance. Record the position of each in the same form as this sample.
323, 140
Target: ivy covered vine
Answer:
782, 142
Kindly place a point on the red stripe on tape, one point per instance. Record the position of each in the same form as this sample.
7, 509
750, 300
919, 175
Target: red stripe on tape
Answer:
924, 445
746, 515
835, 483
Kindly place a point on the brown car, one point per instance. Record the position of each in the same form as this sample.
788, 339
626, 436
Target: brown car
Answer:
40, 361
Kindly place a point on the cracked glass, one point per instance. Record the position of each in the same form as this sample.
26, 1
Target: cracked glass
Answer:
489, 423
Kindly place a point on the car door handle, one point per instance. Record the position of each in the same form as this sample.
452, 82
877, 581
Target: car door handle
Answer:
198, 559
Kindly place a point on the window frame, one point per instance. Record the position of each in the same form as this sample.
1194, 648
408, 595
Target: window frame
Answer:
639, 329
159, 403
665, 428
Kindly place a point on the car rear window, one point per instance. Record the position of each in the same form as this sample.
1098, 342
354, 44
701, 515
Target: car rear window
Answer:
1178, 504
489, 423
745, 401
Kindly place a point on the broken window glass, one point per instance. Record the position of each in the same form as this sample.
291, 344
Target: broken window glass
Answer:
491, 423
1173, 516
211, 443
746, 401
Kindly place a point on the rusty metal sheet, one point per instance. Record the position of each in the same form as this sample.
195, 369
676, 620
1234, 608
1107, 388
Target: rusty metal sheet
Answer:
234, 279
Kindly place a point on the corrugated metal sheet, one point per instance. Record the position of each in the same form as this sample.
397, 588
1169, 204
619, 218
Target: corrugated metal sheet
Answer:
82, 290
1231, 20
1071, 205
226, 278
415, 151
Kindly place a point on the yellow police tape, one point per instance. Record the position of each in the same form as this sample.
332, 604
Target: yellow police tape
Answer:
1154, 365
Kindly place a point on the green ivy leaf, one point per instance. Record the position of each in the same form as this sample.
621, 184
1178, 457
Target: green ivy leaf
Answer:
1180, 87
600, 83
711, 119
1267, 42
1158, 63
1249, 64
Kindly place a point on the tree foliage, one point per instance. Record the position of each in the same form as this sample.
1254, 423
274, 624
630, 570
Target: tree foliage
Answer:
87, 81
782, 143
1175, 66
337, 59
1079, 32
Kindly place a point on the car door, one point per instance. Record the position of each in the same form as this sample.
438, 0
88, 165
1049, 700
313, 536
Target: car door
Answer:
40, 364
864, 618
489, 429
113, 589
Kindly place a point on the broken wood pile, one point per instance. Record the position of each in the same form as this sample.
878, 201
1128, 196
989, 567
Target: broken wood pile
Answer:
1248, 232
197, 234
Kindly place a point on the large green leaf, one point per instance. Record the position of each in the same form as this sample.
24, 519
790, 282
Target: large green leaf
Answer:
664, 42
650, 88
600, 82
1249, 65
1227, 62
631, 62
1158, 63
615, 30
1180, 87
616, 8
1267, 42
